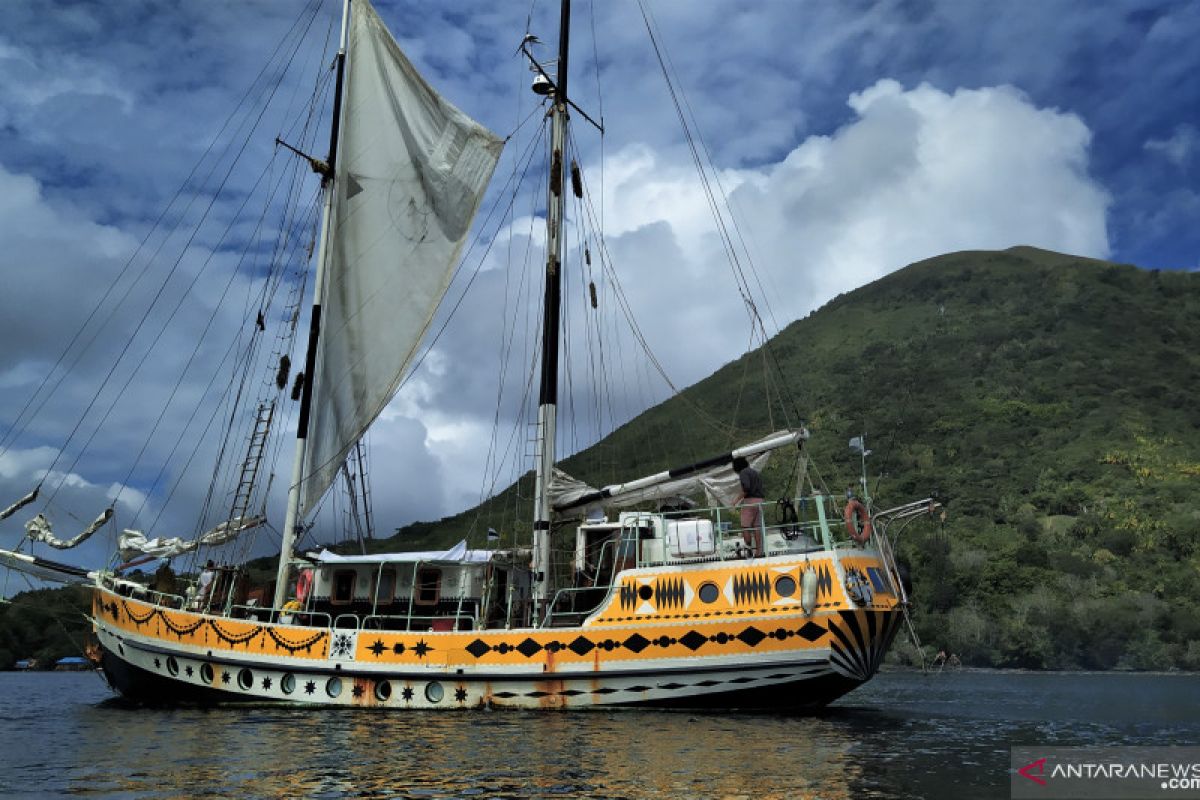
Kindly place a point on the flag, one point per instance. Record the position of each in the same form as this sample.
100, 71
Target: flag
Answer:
493, 536
858, 447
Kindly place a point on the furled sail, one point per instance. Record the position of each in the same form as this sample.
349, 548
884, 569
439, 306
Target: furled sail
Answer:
43, 568
721, 487
411, 171
17, 506
573, 498
132, 543
38, 529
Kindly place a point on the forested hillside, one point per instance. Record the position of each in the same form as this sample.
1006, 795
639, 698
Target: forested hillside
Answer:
1050, 402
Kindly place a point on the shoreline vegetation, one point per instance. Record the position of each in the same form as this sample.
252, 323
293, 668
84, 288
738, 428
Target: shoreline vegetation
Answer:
1039, 395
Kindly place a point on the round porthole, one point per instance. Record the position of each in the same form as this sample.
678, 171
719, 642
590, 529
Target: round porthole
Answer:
434, 692
645, 592
709, 592
245, 679
785, 586
206, 673
333, 687
383, 690
172, 665
287, 684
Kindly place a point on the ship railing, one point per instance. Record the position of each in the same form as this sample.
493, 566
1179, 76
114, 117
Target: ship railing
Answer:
557, 616
410, 622
789, 526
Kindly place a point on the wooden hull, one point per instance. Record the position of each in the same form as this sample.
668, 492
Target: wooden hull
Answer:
655, 642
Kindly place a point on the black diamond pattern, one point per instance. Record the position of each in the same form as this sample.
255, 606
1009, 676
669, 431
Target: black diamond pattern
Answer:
378, 648
693, 640
478, 648
581, 646
811, 631
752, 636
528, 648
638, 689
504, 694
420, 649
637, 643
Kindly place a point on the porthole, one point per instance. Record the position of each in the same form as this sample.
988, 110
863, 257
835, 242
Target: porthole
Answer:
172, 665
245, 679
645, 592
383, 690
434, 692
709, 592
206, 673
785, 586
333, 687
287, 684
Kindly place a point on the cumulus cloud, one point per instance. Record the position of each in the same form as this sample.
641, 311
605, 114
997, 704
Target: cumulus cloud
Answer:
835, 173
917, 172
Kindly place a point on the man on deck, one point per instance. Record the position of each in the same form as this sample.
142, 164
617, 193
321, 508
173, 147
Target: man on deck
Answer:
751, 506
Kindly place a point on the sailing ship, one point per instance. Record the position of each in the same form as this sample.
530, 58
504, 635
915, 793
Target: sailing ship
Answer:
664, 603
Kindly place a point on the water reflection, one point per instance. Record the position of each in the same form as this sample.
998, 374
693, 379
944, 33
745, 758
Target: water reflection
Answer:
902, 736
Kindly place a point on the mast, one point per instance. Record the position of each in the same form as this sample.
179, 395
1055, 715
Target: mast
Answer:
548, 393
292, 524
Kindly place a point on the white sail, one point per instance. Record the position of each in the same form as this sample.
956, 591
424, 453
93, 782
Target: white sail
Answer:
39, 529
133, 543
410, 174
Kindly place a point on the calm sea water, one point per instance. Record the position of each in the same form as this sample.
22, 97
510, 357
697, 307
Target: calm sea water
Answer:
904, 735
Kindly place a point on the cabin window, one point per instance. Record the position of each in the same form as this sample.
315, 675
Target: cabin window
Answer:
429, 587
385, 586
343, 587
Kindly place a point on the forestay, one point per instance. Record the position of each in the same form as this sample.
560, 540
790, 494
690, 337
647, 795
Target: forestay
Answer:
410, 174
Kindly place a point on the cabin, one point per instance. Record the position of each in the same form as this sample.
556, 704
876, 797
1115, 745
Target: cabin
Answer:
452, 590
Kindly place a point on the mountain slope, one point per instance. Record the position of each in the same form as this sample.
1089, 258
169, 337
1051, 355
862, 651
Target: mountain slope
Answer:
1049, 400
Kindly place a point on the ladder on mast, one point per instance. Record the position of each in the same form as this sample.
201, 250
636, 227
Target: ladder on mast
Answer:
254, 458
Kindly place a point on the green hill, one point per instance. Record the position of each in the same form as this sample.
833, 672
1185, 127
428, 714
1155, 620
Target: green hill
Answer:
1050, 402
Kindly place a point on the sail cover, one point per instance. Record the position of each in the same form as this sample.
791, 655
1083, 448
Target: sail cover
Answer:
411, 171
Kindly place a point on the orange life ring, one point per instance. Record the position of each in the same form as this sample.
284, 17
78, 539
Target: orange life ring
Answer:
303, 585
858, 521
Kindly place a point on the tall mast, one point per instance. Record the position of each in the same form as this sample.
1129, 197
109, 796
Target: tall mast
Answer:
291, 523
548, 394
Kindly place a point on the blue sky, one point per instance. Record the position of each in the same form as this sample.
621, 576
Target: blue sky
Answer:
852, 138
